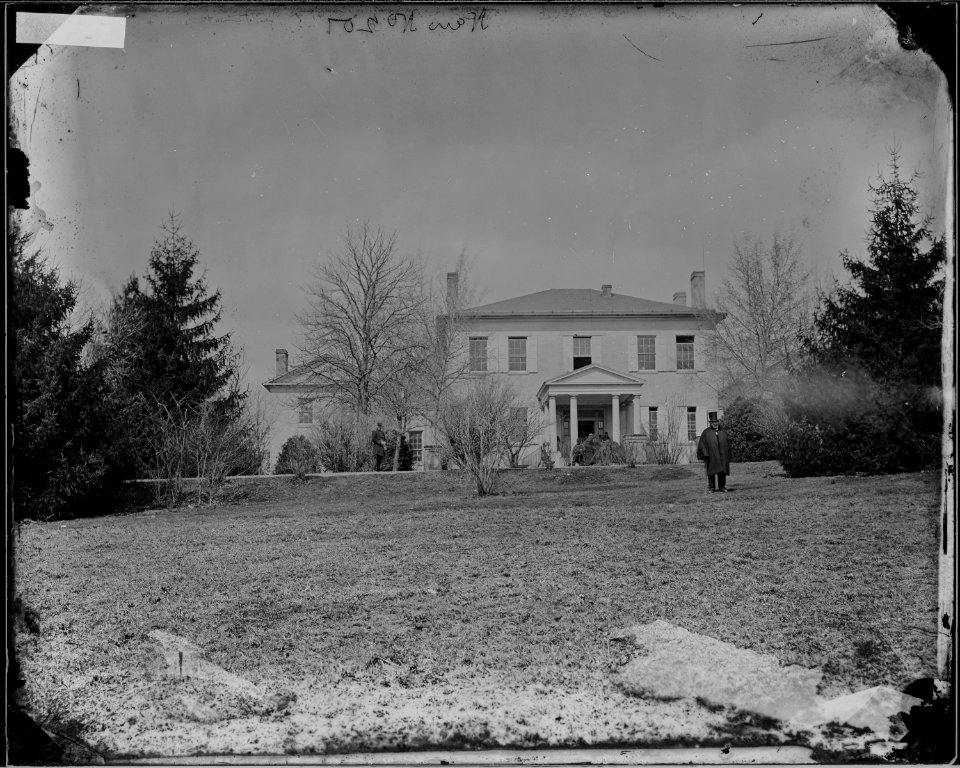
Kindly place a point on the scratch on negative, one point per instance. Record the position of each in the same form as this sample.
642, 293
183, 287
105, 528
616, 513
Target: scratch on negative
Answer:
792, 42
643, 52
35, 105
756, 19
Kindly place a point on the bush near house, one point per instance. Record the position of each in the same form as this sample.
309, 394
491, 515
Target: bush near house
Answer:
753, 430
298, 456
851, 424
343, 443
597, 452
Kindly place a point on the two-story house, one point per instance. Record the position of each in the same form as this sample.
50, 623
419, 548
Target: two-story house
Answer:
596, 362
592, 361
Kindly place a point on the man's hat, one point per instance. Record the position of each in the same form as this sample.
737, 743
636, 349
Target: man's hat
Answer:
712, 416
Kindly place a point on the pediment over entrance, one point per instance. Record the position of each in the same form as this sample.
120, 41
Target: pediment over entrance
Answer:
594, 374
591, 380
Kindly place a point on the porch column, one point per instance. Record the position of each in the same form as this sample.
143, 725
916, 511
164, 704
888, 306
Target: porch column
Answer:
573, 422
552, 430
637, 423
615, 418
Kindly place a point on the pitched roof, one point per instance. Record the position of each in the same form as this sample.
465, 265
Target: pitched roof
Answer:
301, 376
578, 301
594, 374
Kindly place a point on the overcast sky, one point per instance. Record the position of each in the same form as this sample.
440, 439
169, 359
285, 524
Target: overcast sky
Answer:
559, 147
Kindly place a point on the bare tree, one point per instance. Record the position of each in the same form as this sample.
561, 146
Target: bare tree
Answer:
766, 302
435, 360
667, 446
206, 441
448, 360
362, 328
477, 426
170, 450
523, 429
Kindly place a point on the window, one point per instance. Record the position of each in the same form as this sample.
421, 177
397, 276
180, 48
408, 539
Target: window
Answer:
684, 353
646, 353
581, 352
478, 354
306, 411
416, 447
653, 423
692, 422
517, 351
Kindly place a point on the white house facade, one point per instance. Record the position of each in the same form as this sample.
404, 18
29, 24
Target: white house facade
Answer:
592, 361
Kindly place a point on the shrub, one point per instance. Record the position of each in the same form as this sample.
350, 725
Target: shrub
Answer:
596, 452
475, 425
851, 424
755, 429
343, 443
298, 456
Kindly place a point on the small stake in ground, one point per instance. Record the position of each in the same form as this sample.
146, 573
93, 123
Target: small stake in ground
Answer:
181, 664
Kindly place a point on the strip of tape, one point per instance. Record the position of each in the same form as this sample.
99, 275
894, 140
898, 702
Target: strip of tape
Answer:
67, 29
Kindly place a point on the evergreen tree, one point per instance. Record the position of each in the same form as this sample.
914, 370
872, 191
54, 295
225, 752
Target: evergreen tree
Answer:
60, 425
869, 398
889, 320
180, 359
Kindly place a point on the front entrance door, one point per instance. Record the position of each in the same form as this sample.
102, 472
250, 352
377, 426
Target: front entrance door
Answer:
586, 427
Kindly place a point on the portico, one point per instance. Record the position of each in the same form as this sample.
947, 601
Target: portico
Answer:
590, 400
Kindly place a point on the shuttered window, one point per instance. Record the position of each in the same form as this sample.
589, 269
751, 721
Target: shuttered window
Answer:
478, 353
684, 353
646, 353
517, 351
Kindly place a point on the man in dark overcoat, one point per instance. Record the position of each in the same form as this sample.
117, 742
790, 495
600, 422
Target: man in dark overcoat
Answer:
379, 440
714, 450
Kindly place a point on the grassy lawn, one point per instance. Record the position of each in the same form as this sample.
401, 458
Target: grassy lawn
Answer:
389, 612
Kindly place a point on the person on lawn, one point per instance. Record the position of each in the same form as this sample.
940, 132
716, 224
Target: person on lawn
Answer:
714, 450
379, 440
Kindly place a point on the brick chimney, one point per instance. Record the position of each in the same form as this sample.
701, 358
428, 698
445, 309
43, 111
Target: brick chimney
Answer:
698, 288
453, 289
680, 297
282, 362
606, 291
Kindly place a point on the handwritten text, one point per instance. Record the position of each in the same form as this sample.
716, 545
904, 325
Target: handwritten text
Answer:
406, 22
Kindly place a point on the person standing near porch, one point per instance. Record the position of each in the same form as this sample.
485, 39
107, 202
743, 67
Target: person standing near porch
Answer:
714, 450
379, 440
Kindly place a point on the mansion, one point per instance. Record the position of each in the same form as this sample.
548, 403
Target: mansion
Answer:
594, 362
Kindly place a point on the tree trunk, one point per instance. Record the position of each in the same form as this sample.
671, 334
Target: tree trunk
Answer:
401, 427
